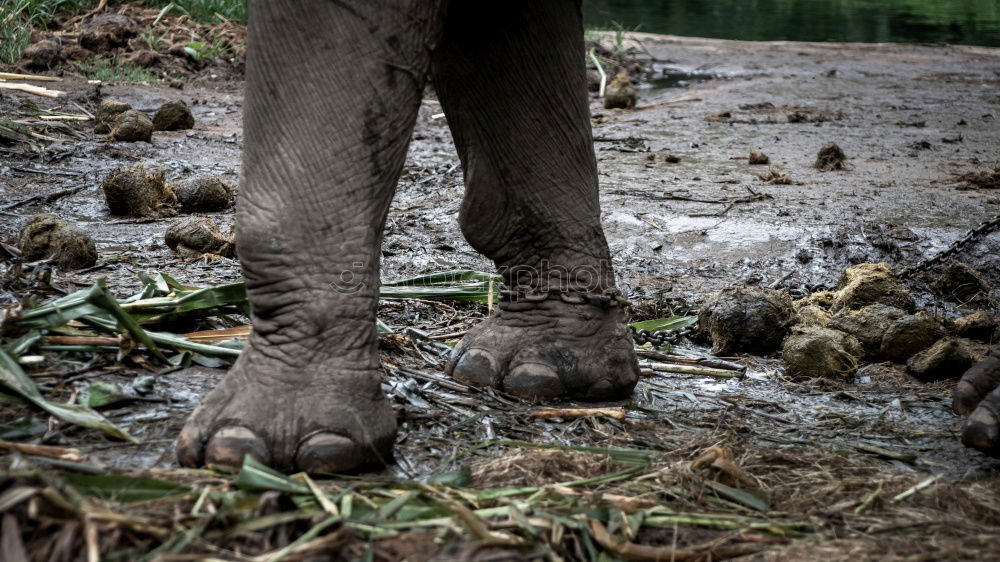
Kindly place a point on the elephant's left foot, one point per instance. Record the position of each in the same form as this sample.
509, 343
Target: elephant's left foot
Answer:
977, 396
550, 349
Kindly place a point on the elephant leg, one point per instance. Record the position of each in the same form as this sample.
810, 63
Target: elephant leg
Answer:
511, 79
977, 395
332, 93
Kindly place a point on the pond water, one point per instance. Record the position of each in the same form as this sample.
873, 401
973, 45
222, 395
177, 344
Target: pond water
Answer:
969, 22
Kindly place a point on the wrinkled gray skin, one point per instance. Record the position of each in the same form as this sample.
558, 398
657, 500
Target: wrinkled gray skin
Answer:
332, 93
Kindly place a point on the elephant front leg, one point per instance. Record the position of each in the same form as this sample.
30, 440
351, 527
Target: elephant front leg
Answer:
331, 98
512, 83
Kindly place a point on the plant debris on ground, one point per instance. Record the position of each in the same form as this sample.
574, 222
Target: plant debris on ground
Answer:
711, 458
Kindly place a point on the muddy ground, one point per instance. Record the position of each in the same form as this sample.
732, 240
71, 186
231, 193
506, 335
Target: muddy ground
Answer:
910, 118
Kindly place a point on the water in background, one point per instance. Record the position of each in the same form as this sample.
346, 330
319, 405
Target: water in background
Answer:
969, 22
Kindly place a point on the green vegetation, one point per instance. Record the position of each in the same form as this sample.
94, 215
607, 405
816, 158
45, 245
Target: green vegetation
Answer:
17, 17
205, 10
107, 71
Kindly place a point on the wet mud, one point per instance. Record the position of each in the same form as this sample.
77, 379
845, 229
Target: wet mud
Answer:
681, 225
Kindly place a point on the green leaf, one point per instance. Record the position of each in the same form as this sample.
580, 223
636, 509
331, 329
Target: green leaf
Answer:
671, 323
100, 393
125, 489
14, 378
458, 478
446, 278
255, 476
756, 501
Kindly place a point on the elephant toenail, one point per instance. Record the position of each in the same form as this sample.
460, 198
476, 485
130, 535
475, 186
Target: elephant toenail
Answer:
534, 381
981, 431
477, 367
231, 444
329, 453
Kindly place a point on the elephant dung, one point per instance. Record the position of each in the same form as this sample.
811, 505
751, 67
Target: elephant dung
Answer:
106, 113
173, 116
138, 192
746, 319
108, 31
46, 236
960, 282
812, 315
205, 194
946, 359
830, 157
132, 126
871, 283
868, 325
910, 335
194, 236
981, 326
620, 93
758, 158
821, 352
42, 55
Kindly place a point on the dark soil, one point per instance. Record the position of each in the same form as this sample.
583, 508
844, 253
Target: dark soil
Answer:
680, 228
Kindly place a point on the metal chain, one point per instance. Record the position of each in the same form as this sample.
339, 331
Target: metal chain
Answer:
660, 337
972, 235
605, 299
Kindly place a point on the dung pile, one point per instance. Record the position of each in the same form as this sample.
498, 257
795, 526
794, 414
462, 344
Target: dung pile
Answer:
829, 158
108, 31
45, 236
132, 126
871, 283
195, 236
870, 318
746, 319
910, 335
173, 116
620, 93
106, 114
981, 326
757, 158
945, 359
868, 325
205, 195
960, 282
43, 55
821, 352
138, 192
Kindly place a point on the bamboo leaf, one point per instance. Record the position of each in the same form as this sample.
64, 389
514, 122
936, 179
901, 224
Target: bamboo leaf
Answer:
125, 489
740, 496
12, 377
255, 476
445, 278
671, 323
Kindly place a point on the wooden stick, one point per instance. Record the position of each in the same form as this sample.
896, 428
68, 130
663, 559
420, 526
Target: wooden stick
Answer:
49, 451
691, 370
574, 413
12, 76
215, 336
29, 89
64, 117
80, 340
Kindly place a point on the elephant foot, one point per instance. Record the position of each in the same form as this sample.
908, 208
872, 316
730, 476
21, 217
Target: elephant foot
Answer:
977, 396
320, 419
549, 349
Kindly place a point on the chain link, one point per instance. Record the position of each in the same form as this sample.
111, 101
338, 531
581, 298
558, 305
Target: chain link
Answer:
971, 236
659, 337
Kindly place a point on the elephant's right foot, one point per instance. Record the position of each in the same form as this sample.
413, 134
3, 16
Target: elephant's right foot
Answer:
319, 419
977, 396
550, 349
